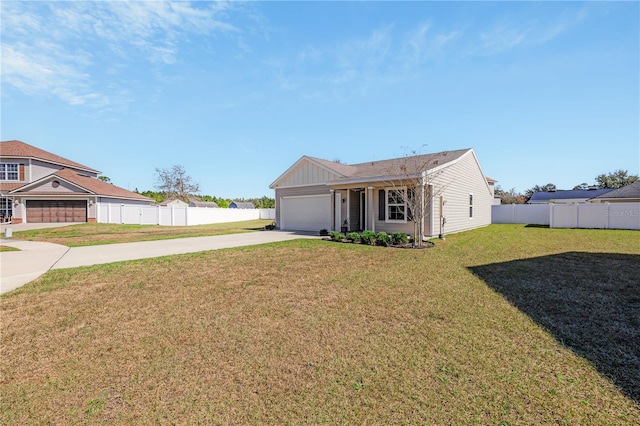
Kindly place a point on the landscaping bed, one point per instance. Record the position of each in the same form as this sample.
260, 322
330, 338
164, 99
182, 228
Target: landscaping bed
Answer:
381, 239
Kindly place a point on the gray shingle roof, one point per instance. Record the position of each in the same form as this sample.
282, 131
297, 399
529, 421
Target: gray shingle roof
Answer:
629, 191
396, 166
544, 196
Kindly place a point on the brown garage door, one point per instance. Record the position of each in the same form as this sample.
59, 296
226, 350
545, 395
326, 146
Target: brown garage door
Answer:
45, 211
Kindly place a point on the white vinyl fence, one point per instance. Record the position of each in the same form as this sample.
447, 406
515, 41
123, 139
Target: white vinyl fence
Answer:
588, 215
531, 214
175, 216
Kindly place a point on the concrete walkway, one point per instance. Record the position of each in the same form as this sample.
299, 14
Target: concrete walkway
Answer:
20, 267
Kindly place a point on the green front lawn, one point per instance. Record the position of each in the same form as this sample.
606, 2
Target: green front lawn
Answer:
87, 234
501, 325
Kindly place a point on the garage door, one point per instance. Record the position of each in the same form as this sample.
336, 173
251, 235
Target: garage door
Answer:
306, 213
46, 211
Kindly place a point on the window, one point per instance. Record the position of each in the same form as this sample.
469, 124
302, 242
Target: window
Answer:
9, 171
6, 208
396, 205
470, 206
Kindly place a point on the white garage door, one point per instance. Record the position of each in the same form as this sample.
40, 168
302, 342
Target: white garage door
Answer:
306, 213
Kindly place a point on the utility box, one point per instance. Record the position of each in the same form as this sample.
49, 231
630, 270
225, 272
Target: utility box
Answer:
8, 232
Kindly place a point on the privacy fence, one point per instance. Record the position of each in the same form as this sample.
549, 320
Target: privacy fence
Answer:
588, 215
176, 216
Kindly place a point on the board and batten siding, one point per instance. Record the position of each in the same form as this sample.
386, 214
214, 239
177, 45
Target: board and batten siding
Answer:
455, 183
297, 192
306, 173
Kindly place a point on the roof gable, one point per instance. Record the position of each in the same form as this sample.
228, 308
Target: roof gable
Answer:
19, 149
88, 184
310, 171
51, 184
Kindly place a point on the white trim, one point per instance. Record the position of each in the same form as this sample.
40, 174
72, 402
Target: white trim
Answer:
6, 172
386, 204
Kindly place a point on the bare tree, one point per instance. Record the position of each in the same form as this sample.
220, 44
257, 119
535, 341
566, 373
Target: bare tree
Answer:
411, 185
175, 183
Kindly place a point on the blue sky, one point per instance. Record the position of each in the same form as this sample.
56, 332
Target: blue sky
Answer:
237, 92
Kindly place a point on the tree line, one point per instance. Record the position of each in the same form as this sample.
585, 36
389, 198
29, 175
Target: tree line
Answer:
174, 183
613, 180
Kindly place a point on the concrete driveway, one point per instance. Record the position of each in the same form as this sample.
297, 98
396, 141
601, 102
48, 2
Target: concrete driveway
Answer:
20, 267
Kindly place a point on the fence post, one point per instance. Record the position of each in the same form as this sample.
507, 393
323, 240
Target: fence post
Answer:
550, 215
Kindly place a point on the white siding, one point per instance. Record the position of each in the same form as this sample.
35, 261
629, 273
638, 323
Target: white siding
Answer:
455, 183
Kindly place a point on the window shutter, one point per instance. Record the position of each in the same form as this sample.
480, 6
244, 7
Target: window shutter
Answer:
21, 175
381, 204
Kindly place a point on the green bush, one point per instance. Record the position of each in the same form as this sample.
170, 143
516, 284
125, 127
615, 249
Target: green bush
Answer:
399, 238
367, 237
324, 232
383, 239
353, 236
336, 236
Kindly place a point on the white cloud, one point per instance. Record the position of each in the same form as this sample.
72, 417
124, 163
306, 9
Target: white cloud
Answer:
509, 34
55, 47
423, 43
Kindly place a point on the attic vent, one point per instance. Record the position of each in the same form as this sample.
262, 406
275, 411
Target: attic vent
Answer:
55, 184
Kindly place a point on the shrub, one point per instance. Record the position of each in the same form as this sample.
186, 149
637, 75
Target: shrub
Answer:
399, 238
270, 227
383, 239
353, 236
336, 236
324, 232
367, 237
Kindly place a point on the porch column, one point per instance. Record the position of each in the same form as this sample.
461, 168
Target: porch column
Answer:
333, 209
371, 223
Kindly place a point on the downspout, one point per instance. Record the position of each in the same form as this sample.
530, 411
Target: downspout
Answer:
423, 203
443, 219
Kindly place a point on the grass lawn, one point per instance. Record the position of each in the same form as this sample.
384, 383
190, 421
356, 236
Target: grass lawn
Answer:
8, 248
87, 234
504, 325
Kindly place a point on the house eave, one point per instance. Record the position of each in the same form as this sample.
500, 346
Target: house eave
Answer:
55, 163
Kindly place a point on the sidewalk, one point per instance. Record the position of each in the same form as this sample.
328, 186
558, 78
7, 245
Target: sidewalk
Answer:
20, 267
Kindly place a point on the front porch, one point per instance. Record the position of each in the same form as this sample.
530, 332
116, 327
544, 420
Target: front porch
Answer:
382, 208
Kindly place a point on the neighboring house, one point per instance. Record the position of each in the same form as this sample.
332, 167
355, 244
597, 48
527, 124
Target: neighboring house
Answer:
38, 186
626, 194
208, 204
566, 196
241, 205
173, 202
315, 194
